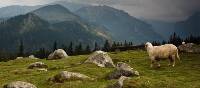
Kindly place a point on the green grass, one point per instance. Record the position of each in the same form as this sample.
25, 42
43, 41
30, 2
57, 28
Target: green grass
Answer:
183, 75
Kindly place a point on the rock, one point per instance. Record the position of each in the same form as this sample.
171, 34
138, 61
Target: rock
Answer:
32, 57
100, 58
189, 48
19, 58
19, 84
37, 65
58, 54
123, 69
119, 83
67, 76
42, 69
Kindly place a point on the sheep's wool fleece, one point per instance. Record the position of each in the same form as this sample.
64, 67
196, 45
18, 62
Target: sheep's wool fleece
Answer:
163, 50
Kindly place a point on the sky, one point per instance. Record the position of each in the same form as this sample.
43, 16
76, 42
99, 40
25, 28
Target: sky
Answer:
165, 10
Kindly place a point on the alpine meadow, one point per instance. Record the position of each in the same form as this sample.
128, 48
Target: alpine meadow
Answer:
99, 44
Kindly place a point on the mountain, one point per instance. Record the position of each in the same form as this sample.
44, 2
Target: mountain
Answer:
72, 6
189, 26
37, 32
120, 24
164, 29
55, 13
10, 11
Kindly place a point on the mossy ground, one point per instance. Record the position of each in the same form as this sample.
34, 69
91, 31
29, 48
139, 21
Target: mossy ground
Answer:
184, 75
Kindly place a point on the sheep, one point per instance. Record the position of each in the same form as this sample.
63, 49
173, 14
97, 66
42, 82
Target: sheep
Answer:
167, 51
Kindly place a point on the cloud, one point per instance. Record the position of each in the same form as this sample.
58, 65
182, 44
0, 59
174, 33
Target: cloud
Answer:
168, 10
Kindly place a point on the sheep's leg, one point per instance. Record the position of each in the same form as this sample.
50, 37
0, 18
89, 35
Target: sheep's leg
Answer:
173, 58
158, 64
170, 60
152, 63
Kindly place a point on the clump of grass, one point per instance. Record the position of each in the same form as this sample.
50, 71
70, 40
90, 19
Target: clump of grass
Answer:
183, 75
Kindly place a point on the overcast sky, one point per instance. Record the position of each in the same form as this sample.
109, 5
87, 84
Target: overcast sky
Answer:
166, 10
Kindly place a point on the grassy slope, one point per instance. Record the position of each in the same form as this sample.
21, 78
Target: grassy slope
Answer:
183, 75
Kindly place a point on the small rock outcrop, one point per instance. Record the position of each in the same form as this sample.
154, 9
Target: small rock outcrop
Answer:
67, 76
123, 69
19, 58
19, 84
189, 48
100, 58
38, 65
32, 57
119, 83
57, 54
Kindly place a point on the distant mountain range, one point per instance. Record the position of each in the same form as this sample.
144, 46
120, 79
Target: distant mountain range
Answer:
10, 11
40, 26
183, 28
37, 32
120, 24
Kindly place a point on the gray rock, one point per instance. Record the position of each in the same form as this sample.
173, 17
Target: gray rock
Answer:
57, 54
123, 69
67, 76
32, 57
189, 48
119, 83
37, 65
19, 84
100, 58
19, 58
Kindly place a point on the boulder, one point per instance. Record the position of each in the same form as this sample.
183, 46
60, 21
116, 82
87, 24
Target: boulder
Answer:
189, 48
119, 83
32, 57
123, 69
100, 58
19, 84
19, 58
37, 65
67, 76
58, 54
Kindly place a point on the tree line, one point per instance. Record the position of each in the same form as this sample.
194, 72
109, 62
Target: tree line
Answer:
80, 49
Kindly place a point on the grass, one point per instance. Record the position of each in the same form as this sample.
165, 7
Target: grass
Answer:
183, 75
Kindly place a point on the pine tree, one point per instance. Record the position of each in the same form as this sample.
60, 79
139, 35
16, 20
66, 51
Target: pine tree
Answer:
70, 49
55, 46
96, 47
87, 49
21, 48
79, 49
107, 46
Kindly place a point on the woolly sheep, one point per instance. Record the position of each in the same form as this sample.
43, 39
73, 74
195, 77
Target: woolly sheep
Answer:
167, 51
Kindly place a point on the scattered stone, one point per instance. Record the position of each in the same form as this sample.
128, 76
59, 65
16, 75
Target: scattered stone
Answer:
123, 69
57, 54
32, 57
19, 84
100, 58
119, 83
67, 76
189, 48
42, 69
19, 58
37, 65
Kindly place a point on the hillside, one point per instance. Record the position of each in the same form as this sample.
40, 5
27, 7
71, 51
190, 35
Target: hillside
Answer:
55, 13
183, 75
120, 24
37, 33
189, 26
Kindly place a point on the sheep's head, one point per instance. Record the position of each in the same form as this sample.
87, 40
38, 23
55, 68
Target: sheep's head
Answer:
148, 44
